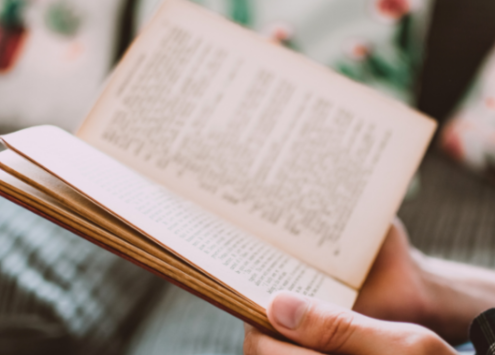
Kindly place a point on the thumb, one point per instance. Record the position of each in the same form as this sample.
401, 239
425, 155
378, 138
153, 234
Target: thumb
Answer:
328, 328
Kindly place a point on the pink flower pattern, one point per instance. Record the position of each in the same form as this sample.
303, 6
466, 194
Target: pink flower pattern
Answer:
357, 49
392, 10
278, 32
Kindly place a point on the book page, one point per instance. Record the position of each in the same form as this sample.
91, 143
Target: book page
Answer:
30, 173
148, 253
246, 264
287, 150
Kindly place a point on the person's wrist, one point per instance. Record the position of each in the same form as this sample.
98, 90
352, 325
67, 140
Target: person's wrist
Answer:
440, 311
425, 308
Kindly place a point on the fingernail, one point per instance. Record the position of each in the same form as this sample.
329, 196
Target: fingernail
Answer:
288, 309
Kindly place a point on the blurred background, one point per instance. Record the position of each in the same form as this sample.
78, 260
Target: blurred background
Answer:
54, 58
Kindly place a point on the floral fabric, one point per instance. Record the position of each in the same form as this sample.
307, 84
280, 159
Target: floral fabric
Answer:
469, 137
376, 42
54, 56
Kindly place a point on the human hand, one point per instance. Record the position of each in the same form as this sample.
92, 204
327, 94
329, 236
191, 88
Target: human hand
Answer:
407, 286
395, 289
322, 328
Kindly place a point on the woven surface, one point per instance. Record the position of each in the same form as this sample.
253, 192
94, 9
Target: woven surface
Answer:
183, 324
454, 214
53, 279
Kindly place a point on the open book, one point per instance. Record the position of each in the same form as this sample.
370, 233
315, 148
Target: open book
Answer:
226, 164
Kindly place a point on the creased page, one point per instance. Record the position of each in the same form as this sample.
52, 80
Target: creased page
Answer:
244, 263
287, 150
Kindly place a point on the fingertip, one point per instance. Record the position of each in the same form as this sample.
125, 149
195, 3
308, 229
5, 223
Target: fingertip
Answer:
283, 295
314, 324
274, 296
287, 309
272, 301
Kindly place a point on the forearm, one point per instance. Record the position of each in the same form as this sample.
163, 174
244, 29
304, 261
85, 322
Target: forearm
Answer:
457, 293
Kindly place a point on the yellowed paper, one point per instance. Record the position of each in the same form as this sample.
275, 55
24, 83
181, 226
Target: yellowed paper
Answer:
249, 265
285, 149
152, 256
